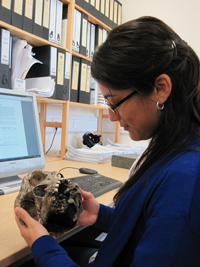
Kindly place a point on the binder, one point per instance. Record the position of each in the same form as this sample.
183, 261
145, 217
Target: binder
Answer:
74, 32
88, 39
92, 7
88, 78
98, 35
45, 21
107, 12
105, 33
48, 55
10, 63
64, 26
83, 40
86, 5
17, 13
92, 40
82, 81
80, 3
78, 31
111, 13
75, 79
59, 12
5, 11
102, 11
115, 13
37, 23
97, 9
52, 20
67, 76
60, 73
119, 15
5, 58
28, 15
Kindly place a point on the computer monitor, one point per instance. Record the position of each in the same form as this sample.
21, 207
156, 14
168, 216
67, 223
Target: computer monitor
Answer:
21, 148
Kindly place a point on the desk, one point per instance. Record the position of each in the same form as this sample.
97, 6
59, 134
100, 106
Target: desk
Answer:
12, 245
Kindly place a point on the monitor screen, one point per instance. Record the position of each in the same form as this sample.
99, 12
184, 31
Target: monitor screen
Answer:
20, 139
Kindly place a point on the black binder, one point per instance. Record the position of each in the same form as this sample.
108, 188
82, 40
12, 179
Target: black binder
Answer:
98, 35
102, 10
86, 5
107, 12
82, 81
75, 79
83, 39
92, 9
80, 3
28, 16
111, 13
5, 11
87, 89
45, 19
115, 15
5, 58
37, 18
60, 73
119, 13
48, 55
97, 9
17, 14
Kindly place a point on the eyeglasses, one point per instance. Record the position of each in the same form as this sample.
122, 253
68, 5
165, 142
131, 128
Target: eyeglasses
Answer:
113, 107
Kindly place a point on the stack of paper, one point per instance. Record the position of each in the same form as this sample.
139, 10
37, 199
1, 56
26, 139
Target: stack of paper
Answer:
100, 154
42, 86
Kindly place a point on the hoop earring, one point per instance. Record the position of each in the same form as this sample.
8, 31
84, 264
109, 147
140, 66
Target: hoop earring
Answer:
160, 107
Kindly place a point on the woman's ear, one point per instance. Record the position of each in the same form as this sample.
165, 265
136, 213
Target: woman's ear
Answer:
163, 86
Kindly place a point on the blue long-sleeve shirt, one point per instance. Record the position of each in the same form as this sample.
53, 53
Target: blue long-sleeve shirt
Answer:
155, 223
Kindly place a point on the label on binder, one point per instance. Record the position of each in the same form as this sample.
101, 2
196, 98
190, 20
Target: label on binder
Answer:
6, 4
60, 75
29, 9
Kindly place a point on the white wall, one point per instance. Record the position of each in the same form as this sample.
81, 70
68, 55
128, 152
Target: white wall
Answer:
181, 15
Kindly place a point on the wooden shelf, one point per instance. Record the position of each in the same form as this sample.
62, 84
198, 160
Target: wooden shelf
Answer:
30, 38
81, 56
38, 41
92, 19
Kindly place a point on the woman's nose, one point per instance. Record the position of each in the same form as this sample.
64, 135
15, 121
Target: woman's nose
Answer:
113, 116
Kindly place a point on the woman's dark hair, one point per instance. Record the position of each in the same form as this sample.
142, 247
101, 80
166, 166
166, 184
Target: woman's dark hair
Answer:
132, 57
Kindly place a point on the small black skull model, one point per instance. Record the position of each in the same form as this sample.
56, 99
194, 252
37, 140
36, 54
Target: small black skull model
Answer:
50, 199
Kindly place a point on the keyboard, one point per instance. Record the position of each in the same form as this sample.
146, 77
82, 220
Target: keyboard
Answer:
97, 184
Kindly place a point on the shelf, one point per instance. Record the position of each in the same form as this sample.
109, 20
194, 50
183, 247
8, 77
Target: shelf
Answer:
29, 37
38, 41
79, 55
92, 19
88, 105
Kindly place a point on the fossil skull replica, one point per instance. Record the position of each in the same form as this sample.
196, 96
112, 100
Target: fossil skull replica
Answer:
50, 199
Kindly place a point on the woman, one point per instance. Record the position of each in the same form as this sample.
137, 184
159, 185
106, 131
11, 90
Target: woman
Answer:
150, 79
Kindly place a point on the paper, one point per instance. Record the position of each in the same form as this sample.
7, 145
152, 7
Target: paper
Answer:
42, 86
100, 154
22, 60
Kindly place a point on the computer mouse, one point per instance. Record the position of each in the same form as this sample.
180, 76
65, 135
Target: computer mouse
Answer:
87, 171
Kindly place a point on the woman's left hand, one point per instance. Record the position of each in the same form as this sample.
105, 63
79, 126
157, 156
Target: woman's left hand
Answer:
32, 229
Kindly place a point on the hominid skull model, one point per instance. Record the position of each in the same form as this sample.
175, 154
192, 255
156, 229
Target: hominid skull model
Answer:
50, 199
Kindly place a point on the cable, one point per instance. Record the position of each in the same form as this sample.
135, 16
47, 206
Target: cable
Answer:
52, 140
67, 168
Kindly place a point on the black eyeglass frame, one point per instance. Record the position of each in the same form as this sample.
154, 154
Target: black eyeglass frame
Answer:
113, 107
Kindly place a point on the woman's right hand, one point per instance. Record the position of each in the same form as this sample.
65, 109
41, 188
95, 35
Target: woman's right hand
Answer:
90, 209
